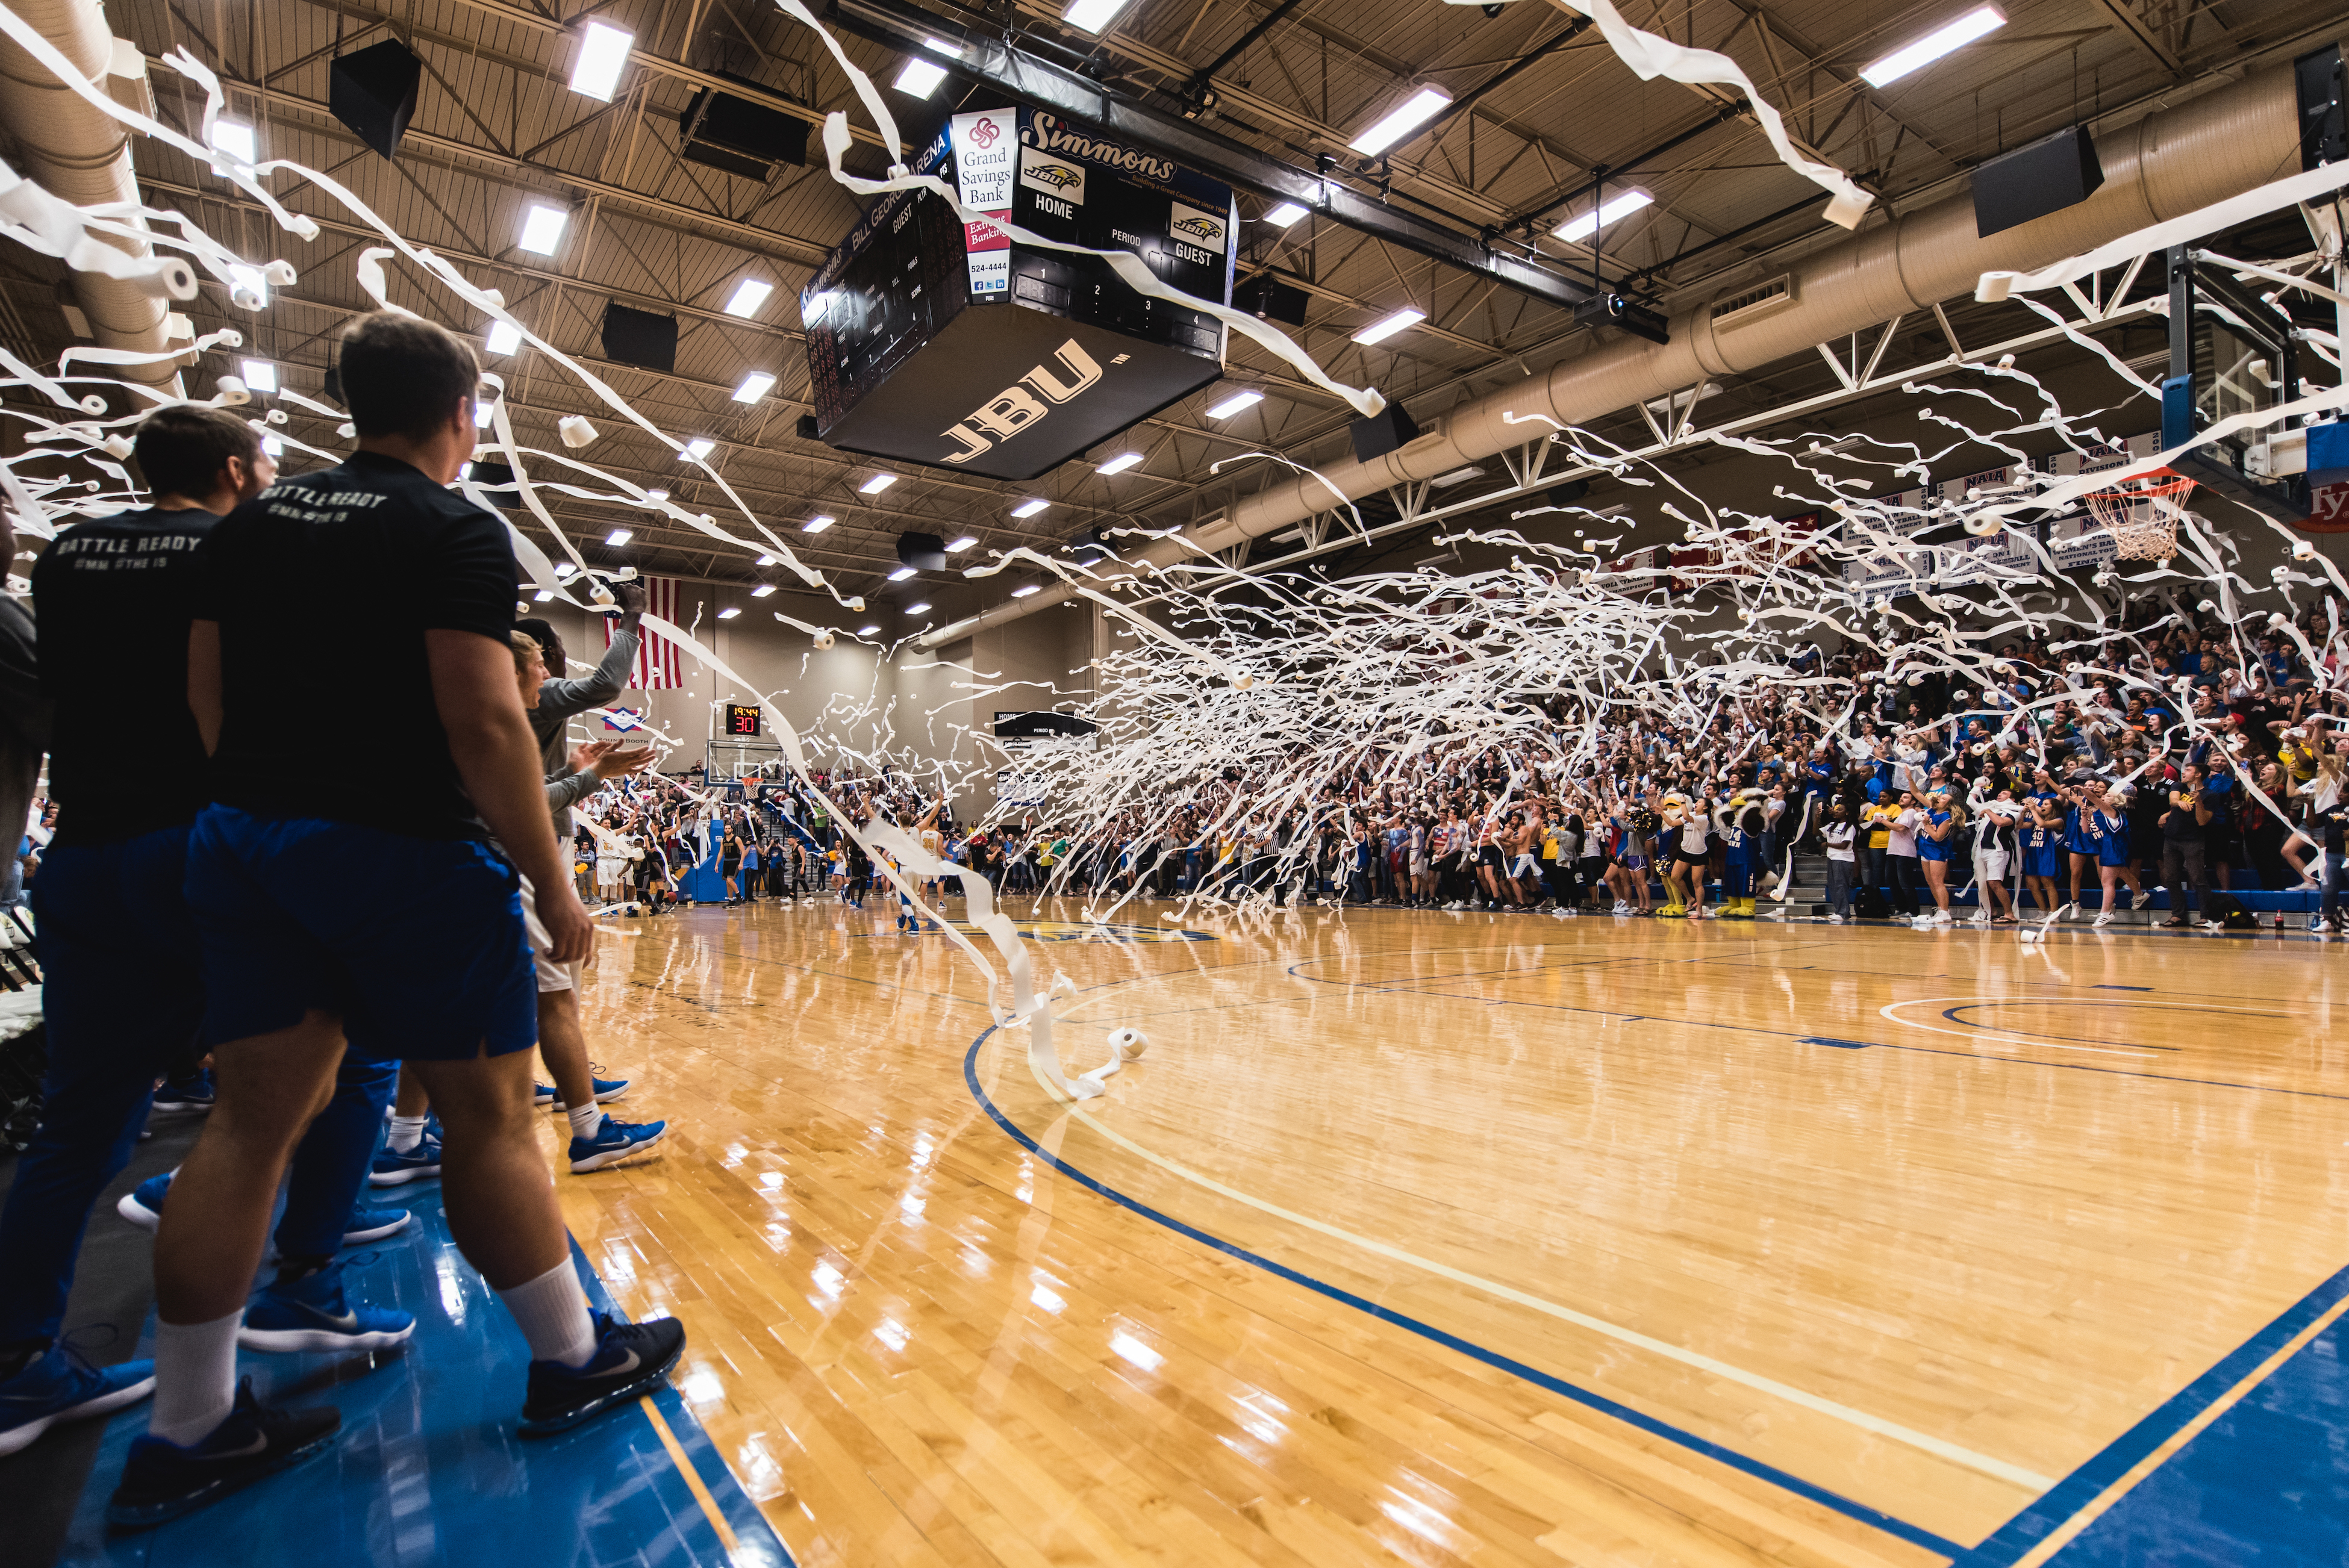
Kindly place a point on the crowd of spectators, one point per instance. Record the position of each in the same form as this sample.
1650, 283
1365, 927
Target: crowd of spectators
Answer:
2184, 757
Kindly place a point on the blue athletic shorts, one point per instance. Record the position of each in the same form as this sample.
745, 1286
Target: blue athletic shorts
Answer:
2044, 861
417, 944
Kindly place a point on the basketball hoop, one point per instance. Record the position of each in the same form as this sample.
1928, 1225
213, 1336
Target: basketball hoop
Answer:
2142, 513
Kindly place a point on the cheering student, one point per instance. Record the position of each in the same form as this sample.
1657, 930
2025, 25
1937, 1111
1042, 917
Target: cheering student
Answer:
122, 997
341, 904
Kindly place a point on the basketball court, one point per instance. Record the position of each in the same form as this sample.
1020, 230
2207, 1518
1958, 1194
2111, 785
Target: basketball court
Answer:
1490, 1238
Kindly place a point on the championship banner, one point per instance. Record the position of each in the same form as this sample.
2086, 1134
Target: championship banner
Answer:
658, 663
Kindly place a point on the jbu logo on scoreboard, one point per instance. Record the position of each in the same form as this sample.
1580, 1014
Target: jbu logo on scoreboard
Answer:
1059, 182
1198, 237
1022, 403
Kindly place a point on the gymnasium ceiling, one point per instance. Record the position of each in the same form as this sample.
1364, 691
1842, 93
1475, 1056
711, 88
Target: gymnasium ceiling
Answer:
497, 126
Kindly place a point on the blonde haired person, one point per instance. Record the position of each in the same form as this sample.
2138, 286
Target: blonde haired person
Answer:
1944, 817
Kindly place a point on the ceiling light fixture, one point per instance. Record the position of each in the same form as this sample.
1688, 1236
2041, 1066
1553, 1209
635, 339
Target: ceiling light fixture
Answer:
565, 569
747, 296
541, 228
728, 612
656, 495
1945, 40
1234, 404
483, 412
1456, 477
504, 337
1093, 16
1120, 463
1380, 330
1616, 208
755, 385
956, 546
272, 446
764, 561
234, 136
917, 609
1024, 590
260, 375
602, 52
1403, 119
543, 596
815, 524
920, 78
618, 537
876, 484
901, 574
762, 590
1287, 213
866, 631
1030, 507
699, 447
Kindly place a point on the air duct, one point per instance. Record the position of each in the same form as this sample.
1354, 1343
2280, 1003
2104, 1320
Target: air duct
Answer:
78, 154
2232, 140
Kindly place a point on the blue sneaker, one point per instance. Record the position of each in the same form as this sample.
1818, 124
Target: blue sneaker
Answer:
614, 1141
143, 1204
62, 1386
314, 1313
191, 1091
629, 1358
162, 1480
542, 1094
419, 1164
367, 1224
605, 1090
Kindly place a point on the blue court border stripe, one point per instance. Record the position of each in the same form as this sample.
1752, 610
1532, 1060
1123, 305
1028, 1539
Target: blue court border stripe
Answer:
2015, 1538
1849, 1508
756, 1542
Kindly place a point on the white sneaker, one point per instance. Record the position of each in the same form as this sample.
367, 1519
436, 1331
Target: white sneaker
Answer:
2068, 911
1979, 917
1835, 920
2143, 898
2103, 917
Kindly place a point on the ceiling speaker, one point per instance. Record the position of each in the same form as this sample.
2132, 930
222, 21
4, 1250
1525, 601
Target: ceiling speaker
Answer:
742, 138
373, 91
1267, 298
2034, 179
1383, 432
640, 338
922, 551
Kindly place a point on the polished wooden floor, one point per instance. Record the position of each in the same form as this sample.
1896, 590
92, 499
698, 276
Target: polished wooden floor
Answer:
1436, 1238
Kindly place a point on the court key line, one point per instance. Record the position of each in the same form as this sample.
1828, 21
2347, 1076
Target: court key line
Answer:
1761, 1469
1939, 1448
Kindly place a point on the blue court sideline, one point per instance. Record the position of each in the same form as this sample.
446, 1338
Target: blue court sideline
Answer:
430, 1472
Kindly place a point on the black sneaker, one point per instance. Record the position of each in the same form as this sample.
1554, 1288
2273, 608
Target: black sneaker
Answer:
629, 1358
191, 1092
162, 1480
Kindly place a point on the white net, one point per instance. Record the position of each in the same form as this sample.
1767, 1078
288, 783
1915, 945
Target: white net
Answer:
2142, 514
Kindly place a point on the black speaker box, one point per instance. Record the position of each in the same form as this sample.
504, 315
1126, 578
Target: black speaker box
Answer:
1383, 432
639, 337
722, 131
2323, 129
491, 475
922, 551
1267, 298
2041, 177
373, 91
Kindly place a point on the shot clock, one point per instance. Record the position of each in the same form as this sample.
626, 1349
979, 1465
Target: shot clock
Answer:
743, 718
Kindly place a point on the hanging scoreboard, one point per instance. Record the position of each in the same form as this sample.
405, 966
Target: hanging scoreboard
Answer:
935, 341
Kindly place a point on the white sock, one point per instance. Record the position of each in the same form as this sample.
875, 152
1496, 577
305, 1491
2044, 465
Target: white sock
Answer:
585, 1119
551, 1312
195, 1379
405, 1132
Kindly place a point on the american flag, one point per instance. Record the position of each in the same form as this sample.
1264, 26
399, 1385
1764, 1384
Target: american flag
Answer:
658, 661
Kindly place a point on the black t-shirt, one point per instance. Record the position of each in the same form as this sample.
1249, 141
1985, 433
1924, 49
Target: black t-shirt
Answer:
114, 598
323, 588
